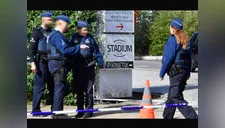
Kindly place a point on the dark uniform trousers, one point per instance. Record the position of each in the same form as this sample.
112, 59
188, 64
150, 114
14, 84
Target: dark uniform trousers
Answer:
42, 76
58, 71
84, 80
175, 95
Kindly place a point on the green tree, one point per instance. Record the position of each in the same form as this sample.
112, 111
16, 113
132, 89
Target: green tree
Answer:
142, 42
160, 27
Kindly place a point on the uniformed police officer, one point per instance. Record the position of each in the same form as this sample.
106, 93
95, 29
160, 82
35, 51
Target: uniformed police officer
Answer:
58, 51
84, 67
176, 63
39, 63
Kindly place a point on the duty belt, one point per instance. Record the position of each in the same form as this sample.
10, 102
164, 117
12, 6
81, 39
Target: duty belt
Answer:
182, 63
53, 57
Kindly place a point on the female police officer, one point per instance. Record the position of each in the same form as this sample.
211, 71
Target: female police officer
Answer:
176, 63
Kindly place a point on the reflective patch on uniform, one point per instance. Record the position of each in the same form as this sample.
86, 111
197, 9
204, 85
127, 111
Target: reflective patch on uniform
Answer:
32, 40
76, 41
63, 43
45, 34
87, 41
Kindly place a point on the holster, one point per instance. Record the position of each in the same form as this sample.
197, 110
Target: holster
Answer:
41, 58
92, 63
174, 70
61, 73
89, 62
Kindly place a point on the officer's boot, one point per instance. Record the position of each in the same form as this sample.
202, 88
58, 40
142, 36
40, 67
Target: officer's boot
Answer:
79, 115
80, 104
61, 116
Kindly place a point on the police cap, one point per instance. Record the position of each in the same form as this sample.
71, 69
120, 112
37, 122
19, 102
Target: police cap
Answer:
63, 18
46, 14
177, 23
82, 24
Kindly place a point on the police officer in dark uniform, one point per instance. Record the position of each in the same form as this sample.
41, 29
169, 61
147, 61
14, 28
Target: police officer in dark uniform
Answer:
58, 51
84, 68
176, 63
39, 63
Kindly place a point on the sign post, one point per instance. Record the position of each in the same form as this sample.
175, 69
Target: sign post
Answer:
117, 34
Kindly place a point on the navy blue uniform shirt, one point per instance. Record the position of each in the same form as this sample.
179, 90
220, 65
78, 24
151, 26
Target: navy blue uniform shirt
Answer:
35, 37
60, 42
77, 39
169, 55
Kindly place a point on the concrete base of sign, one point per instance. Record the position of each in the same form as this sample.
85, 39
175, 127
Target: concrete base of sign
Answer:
114, 84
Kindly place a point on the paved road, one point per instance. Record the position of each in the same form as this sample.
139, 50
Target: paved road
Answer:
147, 64
150, 70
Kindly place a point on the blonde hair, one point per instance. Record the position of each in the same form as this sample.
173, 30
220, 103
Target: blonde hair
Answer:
181, 37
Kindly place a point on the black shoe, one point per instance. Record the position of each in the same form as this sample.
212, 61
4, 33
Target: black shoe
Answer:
87, 115
61, 116
79, 115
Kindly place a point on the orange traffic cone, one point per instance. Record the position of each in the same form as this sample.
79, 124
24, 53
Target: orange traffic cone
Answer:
147, 101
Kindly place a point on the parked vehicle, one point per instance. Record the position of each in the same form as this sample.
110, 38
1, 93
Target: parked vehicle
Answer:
193, 42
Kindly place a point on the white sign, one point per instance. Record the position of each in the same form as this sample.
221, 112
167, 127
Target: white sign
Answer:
114, 84
119, 47
119, 21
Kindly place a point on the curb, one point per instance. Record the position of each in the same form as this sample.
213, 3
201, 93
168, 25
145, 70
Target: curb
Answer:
148, 57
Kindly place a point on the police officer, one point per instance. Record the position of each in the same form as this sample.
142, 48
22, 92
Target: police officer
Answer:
176, 63
84, 67
58, 51
39, 63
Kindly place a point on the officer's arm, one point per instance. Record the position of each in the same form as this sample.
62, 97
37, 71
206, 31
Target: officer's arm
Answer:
33, 44
63, 46
169, 56
71, 41
75, 50
98, 54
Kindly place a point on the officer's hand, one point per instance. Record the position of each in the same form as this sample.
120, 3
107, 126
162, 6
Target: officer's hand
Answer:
101, 69
33, 67
161, 79
83, 46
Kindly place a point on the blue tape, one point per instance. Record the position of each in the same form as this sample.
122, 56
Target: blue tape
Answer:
176, 105
131, 107
122, 108
87, 110
42, 113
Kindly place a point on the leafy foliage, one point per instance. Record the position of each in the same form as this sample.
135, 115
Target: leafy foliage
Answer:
142, 42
